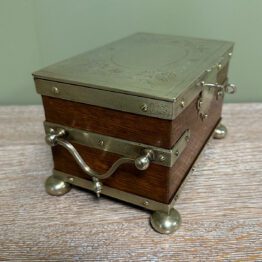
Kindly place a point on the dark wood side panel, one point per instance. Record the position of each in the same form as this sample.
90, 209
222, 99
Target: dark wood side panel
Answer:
200, 132
147, 130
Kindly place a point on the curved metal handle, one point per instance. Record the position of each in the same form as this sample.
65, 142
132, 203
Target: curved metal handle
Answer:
56, 137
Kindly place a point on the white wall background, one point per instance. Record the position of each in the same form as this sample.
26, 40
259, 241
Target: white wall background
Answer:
35, 33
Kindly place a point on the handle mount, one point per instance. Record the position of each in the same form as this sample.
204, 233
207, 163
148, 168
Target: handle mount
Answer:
58, 137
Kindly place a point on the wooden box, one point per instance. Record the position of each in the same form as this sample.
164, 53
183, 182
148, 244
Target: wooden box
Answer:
129, 119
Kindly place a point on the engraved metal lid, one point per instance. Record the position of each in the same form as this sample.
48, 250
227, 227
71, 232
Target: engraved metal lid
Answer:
157, 68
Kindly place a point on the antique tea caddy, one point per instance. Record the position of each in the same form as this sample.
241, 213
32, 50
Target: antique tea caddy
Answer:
129, 119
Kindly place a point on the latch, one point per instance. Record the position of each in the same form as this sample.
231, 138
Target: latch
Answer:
210, 89
221, 89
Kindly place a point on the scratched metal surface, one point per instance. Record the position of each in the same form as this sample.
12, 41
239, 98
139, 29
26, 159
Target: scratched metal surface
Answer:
220, 205
143, 64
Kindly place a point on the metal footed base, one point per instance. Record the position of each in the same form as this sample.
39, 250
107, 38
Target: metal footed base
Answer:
165, 223
220, 132
56, 187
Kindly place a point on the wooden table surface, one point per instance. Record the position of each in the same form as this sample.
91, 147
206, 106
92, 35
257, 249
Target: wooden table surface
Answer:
221, 205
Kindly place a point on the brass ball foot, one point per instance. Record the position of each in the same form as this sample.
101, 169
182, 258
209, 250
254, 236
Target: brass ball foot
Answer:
165, 223
220, 132
56, 187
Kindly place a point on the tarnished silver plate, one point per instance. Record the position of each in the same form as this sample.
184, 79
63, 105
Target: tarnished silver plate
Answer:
150, 72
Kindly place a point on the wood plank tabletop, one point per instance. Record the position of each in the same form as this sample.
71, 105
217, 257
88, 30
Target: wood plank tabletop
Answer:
221, 204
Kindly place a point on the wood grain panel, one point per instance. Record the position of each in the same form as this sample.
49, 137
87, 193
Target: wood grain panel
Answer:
147, 130
200, 131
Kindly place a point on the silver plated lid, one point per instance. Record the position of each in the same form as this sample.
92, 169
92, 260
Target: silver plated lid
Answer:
150, 66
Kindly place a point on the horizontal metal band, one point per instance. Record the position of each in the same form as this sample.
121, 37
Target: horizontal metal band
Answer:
162, 156
118, 101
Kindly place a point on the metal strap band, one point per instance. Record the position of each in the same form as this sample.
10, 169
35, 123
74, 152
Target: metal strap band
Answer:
162, 156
